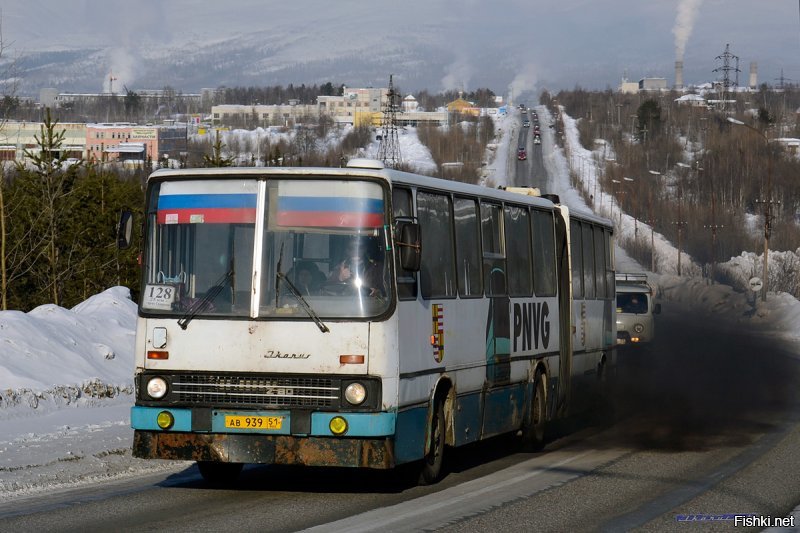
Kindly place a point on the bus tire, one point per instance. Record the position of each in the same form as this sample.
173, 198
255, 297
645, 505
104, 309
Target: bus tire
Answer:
219, 473
533, 431
431, 469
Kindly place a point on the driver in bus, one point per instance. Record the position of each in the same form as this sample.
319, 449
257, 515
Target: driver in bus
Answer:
359, 268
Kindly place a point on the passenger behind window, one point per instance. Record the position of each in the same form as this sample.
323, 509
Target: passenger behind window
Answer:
306, 277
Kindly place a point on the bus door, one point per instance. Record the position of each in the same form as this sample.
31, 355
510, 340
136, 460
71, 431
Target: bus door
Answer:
498, 328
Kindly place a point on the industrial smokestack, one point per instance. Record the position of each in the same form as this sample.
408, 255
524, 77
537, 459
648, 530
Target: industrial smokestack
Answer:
679, 75
753, 75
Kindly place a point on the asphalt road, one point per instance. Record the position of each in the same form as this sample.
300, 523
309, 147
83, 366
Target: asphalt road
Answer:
705, 423
530, 172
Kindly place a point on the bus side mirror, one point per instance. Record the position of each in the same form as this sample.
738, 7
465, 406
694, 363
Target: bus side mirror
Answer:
657, 309
124, 229
410, 246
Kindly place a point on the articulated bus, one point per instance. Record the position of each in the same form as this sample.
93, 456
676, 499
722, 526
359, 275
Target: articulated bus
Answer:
360, 317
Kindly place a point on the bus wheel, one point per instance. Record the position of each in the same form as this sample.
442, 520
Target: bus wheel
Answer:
431, 469
534, 429
219, 473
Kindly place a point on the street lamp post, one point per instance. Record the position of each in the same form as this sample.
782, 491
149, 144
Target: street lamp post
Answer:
652, 223
767, 204
612, 196
633, 207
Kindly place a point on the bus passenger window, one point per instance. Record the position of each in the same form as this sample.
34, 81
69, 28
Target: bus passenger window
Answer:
406, 280
437, 272
468, 254
518, 243
588, 261
599, 263
607, 249
494, 253
576, 251
544, 254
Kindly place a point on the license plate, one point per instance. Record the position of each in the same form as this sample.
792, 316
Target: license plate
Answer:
253, 422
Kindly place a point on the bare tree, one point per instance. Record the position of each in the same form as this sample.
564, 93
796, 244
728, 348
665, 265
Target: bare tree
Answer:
9, 82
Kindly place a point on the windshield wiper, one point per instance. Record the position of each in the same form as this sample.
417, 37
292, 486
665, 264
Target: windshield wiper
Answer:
278, 277
202, 304
303, 303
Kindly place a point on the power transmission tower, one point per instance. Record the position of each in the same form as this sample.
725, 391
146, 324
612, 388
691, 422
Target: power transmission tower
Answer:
726, 70
782, 81
389, 147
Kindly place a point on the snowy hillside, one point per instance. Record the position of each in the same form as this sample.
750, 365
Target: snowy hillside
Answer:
190, 45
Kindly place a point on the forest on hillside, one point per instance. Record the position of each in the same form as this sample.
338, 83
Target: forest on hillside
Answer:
715, 180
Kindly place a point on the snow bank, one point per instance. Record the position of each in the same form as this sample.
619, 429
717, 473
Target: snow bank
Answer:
53, 356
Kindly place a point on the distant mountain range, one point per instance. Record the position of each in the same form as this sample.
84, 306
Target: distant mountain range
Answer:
508, 46
245, 61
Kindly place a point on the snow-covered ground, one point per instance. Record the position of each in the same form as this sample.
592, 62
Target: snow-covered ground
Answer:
66, 374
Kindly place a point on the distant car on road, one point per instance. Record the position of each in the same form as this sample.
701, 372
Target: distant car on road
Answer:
526, 124
522, 155
635, 310
537, 139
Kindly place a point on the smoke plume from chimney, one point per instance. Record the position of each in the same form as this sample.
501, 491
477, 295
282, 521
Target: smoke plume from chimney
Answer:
684, 23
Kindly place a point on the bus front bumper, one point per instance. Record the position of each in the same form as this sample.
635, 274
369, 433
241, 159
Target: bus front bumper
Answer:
266, 449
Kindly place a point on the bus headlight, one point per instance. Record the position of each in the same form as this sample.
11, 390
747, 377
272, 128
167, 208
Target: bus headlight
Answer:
638, 328
355, 393
157, 388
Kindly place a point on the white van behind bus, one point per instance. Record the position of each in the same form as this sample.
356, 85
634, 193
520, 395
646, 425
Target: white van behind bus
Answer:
635, 310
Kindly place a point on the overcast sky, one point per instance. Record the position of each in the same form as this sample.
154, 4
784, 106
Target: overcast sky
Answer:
548, 44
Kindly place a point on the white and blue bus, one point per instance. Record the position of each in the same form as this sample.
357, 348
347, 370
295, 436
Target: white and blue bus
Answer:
360, 316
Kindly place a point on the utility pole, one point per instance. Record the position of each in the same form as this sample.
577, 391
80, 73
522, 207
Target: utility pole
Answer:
633, 204
389, 147
111, 80
651, 222
680, 223
713, 226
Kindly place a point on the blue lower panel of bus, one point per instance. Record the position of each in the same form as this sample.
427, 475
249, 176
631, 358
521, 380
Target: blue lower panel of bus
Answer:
265, 422
468, 419
503, 410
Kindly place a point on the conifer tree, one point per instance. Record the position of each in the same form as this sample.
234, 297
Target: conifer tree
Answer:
216, 159
47, 182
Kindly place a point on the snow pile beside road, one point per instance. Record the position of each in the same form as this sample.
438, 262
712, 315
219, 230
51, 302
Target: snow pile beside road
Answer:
53, 357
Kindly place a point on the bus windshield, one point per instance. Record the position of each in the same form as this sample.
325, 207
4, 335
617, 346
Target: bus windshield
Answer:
322, 252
